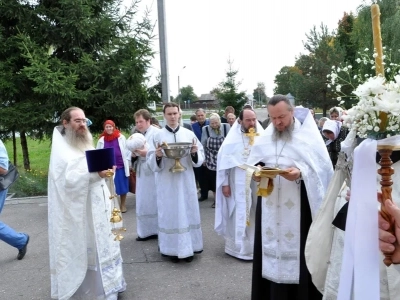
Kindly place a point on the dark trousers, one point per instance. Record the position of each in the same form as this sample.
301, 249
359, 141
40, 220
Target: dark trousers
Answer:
201, 174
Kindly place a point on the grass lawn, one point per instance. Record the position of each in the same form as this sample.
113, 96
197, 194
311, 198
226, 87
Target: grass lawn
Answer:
31, 182
39, 154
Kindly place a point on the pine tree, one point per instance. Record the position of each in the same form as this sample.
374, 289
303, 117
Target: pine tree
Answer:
61, 53
227, 91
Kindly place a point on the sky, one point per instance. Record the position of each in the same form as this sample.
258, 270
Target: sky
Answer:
259, 36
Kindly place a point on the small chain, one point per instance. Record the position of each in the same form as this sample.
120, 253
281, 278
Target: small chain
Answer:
280, 153
244, 145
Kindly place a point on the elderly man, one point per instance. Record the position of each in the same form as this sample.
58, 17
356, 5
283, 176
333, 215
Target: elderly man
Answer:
284, 213
231, 119
18, 240
179, 229
146, 196
235, 197
85, 261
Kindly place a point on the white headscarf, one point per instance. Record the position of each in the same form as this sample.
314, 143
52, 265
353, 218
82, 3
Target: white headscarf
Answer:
337, 109
333, 126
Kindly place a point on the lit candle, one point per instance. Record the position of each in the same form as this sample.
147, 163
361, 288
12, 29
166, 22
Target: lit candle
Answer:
376, 30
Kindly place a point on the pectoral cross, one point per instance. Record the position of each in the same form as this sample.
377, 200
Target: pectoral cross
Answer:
251, 134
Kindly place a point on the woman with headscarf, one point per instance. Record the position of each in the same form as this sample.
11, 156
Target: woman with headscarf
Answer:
335, 113
113, 138
334, 133
211, 138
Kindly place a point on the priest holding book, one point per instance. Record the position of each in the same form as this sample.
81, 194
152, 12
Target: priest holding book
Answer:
85, 260
286, 208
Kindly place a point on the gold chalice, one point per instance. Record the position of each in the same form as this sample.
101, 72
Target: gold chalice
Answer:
177, 151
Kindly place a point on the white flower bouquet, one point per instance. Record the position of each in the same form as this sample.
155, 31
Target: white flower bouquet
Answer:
377, 113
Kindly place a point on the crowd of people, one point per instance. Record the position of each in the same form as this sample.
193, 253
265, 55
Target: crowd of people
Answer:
269, 181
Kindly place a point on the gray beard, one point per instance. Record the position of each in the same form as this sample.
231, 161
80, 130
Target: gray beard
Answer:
285, 135
82, 142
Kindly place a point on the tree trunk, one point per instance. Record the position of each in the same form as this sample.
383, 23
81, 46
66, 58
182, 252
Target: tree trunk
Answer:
14, 148
324, 108
25, 153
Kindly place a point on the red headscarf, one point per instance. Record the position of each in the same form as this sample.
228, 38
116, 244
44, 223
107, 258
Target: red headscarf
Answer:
114, 135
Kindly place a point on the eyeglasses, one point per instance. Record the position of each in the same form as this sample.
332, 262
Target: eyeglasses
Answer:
78, 121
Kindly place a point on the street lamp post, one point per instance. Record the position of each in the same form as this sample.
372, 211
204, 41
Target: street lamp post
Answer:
179, 86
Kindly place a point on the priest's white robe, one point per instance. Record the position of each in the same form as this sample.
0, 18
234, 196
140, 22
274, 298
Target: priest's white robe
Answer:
280, 230
179, 226
232, 213
82, 247
146, 195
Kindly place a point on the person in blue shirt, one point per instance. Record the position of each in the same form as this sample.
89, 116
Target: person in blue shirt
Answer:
7, 234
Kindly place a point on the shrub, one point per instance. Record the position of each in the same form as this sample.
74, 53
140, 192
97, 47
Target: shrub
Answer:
30, 183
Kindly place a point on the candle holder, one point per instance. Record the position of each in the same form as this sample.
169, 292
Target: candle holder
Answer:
386, 171
116, 216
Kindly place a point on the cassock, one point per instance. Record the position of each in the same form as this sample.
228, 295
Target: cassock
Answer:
83, 252
283, 218
146, 196
179, 228
235, 215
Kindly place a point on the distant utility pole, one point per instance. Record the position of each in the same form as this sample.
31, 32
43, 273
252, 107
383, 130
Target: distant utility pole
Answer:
163, 51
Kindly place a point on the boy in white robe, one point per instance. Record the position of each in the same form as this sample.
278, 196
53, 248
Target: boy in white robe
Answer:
179, 232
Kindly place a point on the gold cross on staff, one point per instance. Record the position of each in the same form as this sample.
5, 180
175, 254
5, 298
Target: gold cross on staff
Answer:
251, 134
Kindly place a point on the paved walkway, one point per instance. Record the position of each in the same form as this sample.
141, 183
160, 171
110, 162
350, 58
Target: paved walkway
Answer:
211, 275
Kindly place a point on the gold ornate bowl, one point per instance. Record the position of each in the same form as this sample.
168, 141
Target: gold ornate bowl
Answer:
177, 151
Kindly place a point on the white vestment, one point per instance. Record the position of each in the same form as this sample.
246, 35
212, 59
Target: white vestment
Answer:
281, 210
389, 276
179, 228
146, 196
82, 247
235, 215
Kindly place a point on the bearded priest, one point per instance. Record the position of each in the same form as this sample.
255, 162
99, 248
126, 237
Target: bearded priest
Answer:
283, 217
236, 192
85, 261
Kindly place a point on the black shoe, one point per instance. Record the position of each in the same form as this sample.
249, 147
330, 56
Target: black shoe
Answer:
174, 259
22, 251
198, 252
202, 198
151, 237
189, 259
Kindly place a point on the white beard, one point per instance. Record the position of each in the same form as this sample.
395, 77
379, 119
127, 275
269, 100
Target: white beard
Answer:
82, 142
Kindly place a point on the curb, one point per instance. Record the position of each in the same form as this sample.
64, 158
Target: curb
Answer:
25, 200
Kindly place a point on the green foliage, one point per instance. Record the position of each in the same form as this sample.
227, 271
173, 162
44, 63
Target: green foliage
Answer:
186, 94
362, 36
30, 183
259, 93
343, 37
284, 78
307, 80
227, 91
62, 53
